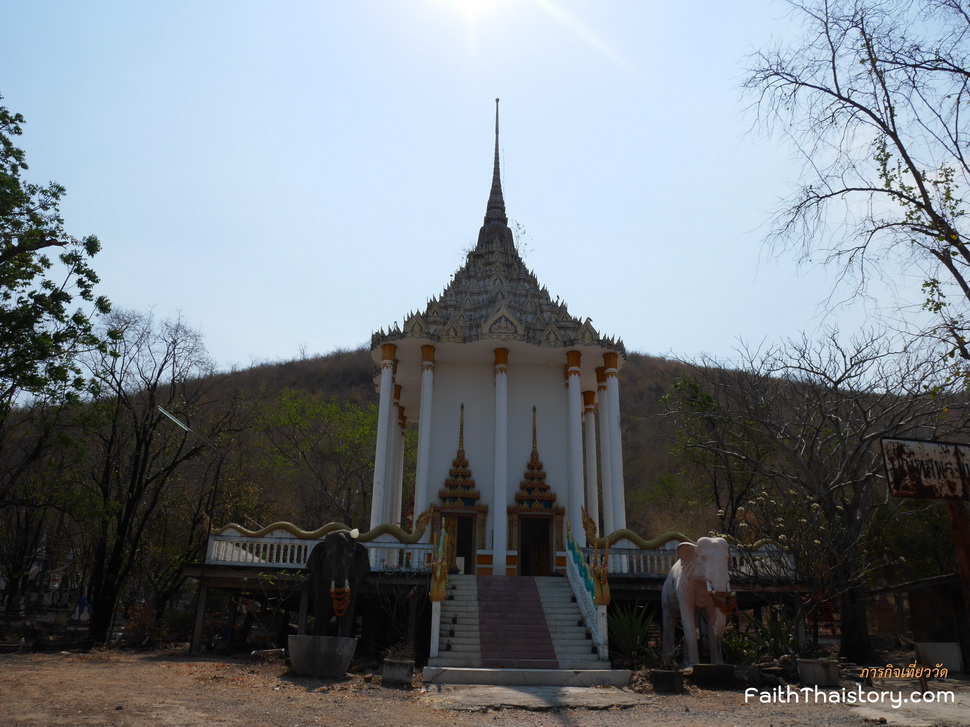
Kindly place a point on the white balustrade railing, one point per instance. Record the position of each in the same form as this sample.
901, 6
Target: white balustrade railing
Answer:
386, 557
630, 561
580, 578
279, 552
284, 550
288, 551
766, 561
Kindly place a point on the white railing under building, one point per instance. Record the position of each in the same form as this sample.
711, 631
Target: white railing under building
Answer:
282, 549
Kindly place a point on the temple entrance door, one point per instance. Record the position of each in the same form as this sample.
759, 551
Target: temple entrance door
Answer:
461, 549
535, 546
465, 540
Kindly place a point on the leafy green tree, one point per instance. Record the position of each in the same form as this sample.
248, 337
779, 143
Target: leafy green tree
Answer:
730, 479
37, 466
324, 447
915, 538
873, 96
41, 329
47, 312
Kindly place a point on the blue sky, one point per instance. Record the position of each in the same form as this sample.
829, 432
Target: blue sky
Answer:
291, 176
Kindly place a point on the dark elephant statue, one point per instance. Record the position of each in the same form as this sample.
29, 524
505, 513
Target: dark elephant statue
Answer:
337, 565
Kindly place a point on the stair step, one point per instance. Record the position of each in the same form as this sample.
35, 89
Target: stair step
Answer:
459, 630
513, 623
461, 641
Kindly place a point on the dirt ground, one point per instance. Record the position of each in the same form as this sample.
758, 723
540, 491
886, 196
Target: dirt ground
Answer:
126, 689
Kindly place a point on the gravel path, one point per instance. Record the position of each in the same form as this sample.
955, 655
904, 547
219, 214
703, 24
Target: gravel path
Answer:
169, 688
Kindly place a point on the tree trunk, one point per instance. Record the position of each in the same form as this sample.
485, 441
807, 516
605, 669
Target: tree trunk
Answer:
854, 644
16, 605
103, 595
102, 611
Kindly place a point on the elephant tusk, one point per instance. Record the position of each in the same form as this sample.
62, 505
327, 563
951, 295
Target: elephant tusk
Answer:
347, 584
333, 586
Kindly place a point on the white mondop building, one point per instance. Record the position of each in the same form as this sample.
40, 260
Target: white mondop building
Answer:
518, 413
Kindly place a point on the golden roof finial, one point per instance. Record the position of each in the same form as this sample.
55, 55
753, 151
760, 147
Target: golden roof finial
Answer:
535, 445
461, 429
495, 211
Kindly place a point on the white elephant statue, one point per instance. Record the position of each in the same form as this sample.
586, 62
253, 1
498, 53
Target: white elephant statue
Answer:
697, 583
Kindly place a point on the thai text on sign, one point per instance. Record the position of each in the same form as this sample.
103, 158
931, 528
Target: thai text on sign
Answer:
933, 470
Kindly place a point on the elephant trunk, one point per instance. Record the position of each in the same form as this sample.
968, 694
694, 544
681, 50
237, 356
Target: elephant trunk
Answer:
725, 600
340, 598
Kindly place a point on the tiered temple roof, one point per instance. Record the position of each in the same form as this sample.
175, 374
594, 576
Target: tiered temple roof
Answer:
459, 492
534, 494
495, 296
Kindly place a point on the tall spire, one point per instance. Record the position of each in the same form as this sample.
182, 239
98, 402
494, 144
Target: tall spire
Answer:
461, 429
495, 212
535, 444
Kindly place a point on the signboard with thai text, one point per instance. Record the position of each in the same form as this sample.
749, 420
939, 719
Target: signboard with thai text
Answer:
932, 470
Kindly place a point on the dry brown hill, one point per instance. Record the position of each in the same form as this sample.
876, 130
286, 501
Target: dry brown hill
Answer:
658, 498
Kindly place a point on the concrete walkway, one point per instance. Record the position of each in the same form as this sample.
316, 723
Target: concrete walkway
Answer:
950, 703
475, 698
528, 677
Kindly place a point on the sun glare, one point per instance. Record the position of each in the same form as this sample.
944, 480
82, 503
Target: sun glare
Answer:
476, 15
475, 10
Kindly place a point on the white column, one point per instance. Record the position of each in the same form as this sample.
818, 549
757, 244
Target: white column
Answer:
605, 454
498, 511
589, 431
616, 446
393, 447
422, 485
398, 500
384, 422
574, 439
435, 627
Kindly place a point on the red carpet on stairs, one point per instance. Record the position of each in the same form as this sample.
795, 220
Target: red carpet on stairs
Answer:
512, 624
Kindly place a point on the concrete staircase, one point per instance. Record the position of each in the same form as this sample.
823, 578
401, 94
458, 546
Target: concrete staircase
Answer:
575, 648
520, 623
459, 645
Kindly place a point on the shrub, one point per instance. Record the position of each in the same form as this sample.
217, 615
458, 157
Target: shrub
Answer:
629, 632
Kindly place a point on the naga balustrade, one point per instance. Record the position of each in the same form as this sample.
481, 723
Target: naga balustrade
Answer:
281, 549
580, 576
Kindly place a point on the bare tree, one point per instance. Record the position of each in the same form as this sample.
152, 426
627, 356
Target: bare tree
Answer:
806, 419
874, 97
35, 494
136, 456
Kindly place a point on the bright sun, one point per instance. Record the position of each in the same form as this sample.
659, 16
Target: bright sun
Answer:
472, 11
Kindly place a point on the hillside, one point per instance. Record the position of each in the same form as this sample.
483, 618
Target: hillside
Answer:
657, 499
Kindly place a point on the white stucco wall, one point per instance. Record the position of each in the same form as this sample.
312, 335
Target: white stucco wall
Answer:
472, 385
541, 386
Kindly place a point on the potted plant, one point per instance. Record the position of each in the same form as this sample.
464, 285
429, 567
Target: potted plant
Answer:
398, 664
